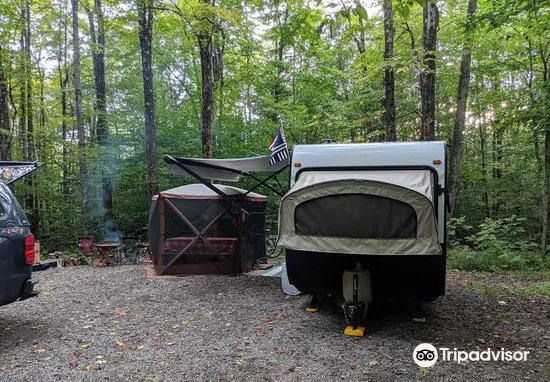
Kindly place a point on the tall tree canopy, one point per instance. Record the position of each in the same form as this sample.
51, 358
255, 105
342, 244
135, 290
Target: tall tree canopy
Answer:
100, 91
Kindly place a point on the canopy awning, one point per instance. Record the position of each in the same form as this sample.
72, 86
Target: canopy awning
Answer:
228, 170
12, 171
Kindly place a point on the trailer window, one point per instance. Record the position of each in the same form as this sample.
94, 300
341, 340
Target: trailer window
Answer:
356, 216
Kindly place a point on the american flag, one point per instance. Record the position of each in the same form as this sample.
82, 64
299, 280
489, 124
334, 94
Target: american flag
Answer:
278, 148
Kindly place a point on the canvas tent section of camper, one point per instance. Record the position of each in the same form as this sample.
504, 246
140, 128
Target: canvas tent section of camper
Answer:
192, 230
358, 216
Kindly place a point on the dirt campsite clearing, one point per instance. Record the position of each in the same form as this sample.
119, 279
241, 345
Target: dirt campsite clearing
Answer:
115, 324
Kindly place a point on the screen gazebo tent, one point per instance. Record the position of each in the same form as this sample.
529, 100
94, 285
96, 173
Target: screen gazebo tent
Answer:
194, 230
210, 227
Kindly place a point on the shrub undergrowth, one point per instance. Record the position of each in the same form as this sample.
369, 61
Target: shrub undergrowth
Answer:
498, 245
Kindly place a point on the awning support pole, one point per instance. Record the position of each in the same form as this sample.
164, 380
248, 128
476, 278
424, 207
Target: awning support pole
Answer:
206, 182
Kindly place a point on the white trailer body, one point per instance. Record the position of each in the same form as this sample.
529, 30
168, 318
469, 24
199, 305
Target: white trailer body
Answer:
376, 160
380, 205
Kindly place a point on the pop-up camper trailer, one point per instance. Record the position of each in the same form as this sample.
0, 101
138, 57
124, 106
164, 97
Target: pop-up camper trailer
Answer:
366, 222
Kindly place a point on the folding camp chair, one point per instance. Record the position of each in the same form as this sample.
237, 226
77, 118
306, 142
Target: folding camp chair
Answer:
86, 246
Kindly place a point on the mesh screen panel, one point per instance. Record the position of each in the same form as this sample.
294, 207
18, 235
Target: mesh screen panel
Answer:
356, 216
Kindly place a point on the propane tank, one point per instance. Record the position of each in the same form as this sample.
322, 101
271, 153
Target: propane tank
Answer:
357, 285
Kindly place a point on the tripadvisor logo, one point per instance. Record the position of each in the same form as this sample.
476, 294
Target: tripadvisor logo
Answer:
426, 355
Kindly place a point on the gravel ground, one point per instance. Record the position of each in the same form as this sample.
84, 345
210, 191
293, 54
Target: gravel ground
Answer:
115, 324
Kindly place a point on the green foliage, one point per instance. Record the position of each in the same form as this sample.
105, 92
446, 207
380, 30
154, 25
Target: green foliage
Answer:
494, 260
318, 67
456, 229
498, 245
505, 234
542, 288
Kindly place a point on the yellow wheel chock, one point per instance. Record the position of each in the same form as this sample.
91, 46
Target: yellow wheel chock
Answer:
358, 332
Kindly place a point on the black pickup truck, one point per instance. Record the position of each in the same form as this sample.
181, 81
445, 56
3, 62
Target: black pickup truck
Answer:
16, 239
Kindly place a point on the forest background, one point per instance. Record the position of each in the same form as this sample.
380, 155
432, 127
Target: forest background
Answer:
100, 90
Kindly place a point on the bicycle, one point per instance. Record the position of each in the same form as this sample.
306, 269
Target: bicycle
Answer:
271, 249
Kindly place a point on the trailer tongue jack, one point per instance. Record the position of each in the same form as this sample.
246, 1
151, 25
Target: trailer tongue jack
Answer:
355, 310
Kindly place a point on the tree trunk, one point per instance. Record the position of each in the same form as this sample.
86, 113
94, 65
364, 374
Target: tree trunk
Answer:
63, 82
23, 88
389, 100
497, 167
30, 116
484, 166
145, 20
42, 117
79, 121
102, 131
5, 127
278, 87
31, 202
218, 75
461, 101
208, 112
546, 196
427, 72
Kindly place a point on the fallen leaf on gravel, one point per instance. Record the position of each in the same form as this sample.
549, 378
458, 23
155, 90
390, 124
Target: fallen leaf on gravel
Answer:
76, 359
123, 345
185, 322
87, 367
85, 345
502, 302
41, 350
373, 363
175, 326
